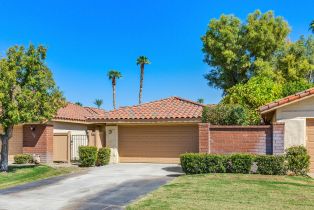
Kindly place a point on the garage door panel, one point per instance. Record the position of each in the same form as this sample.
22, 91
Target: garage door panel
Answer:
151, 142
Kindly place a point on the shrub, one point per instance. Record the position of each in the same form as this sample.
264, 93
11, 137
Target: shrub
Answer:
239, 163
298, 161
226, 114
271, 164
23, 158
88, 156
193, 163
103, 156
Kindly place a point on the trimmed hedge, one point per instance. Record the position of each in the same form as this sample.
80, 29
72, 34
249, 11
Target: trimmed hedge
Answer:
103, 156
239, 163
298, 160
23, 158
88, 156
271, 164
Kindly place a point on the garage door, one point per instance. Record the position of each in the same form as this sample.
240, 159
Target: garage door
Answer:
159, 144
310, 142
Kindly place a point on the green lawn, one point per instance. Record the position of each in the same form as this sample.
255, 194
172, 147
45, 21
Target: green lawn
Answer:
23, 174
231, 191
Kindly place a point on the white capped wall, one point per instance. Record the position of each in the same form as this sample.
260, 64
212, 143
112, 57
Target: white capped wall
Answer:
294, 116
76, 129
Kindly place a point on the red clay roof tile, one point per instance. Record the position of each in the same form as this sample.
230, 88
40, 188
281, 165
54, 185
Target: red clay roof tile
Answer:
288, 99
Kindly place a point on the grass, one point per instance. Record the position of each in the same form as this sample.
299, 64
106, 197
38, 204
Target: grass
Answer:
28, 173
231, 191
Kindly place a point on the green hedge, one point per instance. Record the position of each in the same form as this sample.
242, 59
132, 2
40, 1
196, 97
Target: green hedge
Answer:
239, 163
88, 156
103, 156
271, 164
23, 158
298, 160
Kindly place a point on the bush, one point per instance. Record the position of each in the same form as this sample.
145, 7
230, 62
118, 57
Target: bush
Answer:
271, 164
193, 163
103, 156
239, 163
23, 158
88, 156
298, 161
226, 114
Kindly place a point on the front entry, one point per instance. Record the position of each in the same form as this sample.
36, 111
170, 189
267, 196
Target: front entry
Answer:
310, 142
156, 143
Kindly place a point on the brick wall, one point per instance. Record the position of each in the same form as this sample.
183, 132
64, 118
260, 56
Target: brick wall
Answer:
16, 142
38, 139
243, 139
203, 136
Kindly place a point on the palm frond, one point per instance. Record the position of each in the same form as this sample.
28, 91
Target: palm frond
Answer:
114, 74
142, 60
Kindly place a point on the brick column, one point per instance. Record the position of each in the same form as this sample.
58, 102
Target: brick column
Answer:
38, 139
203, 138
278, 138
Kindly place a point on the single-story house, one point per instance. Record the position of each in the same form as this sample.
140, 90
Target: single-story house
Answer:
161, 130
297, 113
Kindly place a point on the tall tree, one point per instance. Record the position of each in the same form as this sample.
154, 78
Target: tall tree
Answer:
113, 75
28, 92
312, 26
142, 61
78, 103
98, 102
200, 100
232, 48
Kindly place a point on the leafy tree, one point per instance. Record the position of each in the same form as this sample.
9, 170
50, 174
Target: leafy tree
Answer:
142, 61
98, 102
113, 75
28, 92
231, 47
293, 87
200, 100
312, 26
78, 103
258, 91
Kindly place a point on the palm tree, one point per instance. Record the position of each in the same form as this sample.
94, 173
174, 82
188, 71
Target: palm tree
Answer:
98, 103
78, 103
312, 26
141, 60
113, 75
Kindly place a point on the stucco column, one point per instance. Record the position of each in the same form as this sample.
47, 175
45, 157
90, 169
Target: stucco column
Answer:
91, 139
112, 142
97, 138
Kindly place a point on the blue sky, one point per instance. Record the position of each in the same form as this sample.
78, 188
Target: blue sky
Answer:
87, 38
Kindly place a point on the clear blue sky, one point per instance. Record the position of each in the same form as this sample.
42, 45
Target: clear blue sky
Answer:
87, 38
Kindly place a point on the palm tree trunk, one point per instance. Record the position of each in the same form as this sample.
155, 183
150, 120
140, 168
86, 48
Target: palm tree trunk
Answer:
141, 84
114, 92
4, 163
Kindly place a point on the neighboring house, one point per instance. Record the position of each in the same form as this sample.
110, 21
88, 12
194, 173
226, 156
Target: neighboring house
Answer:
297, 113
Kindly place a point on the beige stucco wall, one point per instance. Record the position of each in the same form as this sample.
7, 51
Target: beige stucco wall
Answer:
294, 116
64, 127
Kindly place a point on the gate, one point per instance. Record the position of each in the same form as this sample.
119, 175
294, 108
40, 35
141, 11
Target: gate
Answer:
76, 141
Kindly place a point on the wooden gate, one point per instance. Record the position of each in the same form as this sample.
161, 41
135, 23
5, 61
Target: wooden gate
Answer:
61, 147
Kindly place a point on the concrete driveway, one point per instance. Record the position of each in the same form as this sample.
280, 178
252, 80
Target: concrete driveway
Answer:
109, 187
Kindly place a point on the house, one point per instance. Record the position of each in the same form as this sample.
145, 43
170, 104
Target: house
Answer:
157, 131
297, 113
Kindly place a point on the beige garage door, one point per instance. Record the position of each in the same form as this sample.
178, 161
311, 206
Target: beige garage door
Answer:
156, 143
310, 142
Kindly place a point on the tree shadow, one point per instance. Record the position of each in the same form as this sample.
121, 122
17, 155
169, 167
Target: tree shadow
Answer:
14, 168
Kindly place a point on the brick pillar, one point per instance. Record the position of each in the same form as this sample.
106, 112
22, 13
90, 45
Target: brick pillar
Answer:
38, 139
203, 138
278, 138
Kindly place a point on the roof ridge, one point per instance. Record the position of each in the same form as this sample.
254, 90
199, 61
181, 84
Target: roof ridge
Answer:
190, 101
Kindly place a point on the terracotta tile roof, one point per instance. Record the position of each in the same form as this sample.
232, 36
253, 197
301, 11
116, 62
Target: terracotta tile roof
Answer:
79, 113
286, 100
169, 108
